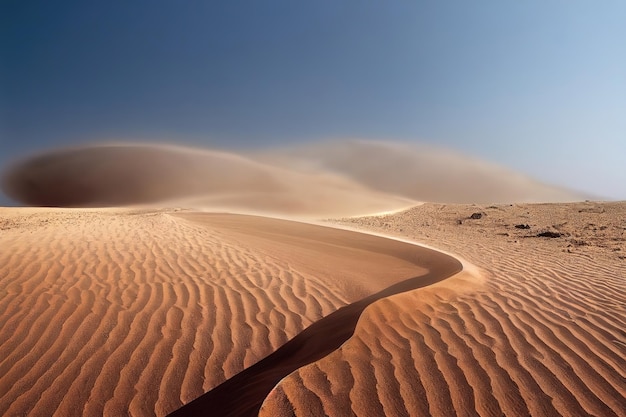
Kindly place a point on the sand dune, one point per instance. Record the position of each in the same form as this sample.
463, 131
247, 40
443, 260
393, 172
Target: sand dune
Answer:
173, 176
243, 394
119, 311
321, 180
140, 310
126, 311
544, 334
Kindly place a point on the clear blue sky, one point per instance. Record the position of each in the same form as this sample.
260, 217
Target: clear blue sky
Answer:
539, 86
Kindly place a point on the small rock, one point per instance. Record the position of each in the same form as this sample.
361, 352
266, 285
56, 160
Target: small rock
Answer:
476, 216
549, 234
522, 226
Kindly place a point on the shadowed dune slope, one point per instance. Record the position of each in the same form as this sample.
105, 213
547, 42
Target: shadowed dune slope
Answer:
545, 335
137, 312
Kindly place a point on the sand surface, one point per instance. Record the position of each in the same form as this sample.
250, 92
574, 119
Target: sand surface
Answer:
141, 310
121, 311
543, 334
137, 312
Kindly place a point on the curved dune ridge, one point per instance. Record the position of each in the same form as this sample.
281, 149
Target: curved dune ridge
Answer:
243, 394
122, 311
333, 179
118, 311
545, 334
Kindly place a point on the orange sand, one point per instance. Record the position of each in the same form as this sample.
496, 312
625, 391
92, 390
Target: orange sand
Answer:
543, 335
116, 311
140, 310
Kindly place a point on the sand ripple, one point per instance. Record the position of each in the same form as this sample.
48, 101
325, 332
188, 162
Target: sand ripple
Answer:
119, 311
544, 335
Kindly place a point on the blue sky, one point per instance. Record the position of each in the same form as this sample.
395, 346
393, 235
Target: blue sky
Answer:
539, 86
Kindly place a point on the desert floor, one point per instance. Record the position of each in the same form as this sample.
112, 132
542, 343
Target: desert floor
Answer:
139, 311
543, 333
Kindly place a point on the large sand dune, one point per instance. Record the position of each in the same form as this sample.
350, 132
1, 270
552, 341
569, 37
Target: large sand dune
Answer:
116, 311
243, 394
544, 335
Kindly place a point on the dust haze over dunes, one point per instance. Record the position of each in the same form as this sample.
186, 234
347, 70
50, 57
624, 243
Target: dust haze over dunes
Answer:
141, 310
131, 174
328, 179
418, 171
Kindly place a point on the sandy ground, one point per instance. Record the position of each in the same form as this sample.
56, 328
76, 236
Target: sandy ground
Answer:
120, 311
137, 312
544, 334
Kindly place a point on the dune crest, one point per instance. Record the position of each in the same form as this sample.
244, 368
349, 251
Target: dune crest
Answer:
124, 311
243, 394
543, 336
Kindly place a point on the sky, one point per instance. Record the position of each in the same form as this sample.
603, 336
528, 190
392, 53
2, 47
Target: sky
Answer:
538, 86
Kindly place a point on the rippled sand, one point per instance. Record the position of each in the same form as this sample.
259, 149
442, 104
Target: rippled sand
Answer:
116, 311
151, 310
543, 334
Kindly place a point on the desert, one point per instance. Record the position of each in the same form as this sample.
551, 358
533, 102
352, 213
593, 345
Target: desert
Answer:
298, 282
324, 208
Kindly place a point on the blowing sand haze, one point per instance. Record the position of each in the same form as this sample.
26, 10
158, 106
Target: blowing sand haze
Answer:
175, 305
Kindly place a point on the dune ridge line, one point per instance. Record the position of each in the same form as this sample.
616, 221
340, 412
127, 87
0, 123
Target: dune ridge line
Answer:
243, 394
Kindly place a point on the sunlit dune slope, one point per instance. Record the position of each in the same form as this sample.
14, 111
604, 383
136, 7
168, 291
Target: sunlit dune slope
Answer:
419, 172
118, 175
137, 312
544, 335
243, 394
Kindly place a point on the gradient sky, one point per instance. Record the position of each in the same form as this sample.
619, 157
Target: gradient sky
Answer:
539, 86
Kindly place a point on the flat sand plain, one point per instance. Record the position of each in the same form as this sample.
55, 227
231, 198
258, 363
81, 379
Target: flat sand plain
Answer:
543, 334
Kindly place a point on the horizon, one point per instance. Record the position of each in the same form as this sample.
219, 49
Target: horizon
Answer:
538, 87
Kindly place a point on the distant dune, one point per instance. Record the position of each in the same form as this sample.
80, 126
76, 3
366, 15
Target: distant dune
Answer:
319, 180
419, 172
132, 174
